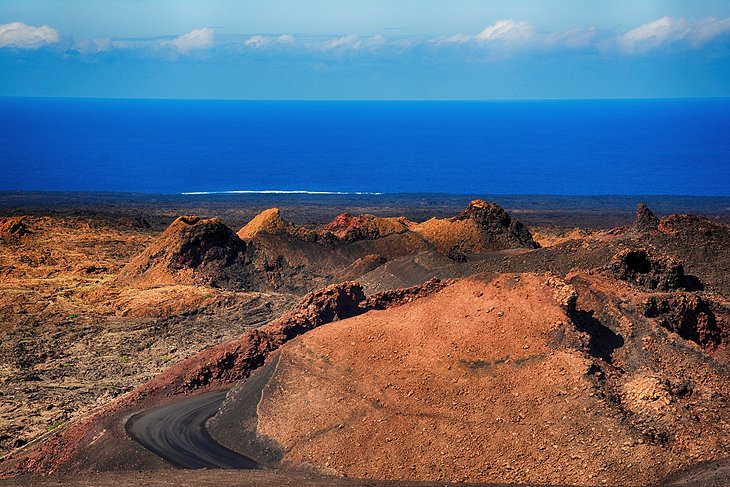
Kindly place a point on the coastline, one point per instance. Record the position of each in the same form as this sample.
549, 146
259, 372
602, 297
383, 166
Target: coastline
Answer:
556, 211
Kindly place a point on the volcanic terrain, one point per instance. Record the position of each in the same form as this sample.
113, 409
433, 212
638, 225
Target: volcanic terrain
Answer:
452, 349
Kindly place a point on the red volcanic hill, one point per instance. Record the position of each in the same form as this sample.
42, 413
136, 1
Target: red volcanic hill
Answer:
192, 251
351, 246
515, 378
482, 227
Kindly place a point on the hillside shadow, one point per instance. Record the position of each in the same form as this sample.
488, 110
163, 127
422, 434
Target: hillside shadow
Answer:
603, 341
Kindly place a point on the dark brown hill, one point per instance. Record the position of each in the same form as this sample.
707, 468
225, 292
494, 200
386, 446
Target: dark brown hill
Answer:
482, 227
703, 245
192, 251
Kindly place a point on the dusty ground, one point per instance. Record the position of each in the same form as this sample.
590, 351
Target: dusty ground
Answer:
215, 478
494, 379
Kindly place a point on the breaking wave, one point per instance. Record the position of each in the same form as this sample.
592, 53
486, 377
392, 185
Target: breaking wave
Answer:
280, 191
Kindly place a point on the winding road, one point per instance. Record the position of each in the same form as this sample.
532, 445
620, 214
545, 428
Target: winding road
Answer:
177, 433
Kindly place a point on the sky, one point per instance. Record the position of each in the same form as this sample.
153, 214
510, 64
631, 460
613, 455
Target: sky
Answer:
379, 49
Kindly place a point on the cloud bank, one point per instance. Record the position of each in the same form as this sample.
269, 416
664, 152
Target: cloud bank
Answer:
668, 32
509, 31
22, 36
195, 40
501, 39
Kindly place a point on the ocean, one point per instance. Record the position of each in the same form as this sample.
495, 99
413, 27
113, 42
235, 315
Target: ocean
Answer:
620, 147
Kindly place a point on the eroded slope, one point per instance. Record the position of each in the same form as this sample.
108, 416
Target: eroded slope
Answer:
509, 378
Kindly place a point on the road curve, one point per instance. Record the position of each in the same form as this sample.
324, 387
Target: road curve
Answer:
177, 433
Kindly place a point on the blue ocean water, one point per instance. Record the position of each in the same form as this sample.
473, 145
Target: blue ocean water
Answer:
546, 147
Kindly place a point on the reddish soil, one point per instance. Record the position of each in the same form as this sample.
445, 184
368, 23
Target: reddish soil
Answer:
99, 442
499, 379
626, 361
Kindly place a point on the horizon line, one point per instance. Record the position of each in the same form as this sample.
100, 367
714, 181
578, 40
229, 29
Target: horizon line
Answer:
414, 100
361, 193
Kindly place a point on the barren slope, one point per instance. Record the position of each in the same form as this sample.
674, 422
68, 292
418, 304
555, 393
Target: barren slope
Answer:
497, 379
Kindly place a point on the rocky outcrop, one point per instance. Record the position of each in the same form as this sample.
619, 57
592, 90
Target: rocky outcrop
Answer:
659, 273
482, 227
700, 243
365, 227
689, 316
393, 297
192, 251
233, 361
646, 221
13, 228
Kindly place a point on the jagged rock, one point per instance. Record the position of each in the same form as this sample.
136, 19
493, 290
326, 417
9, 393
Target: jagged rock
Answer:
192, 251
661, 273
646, 221
365, 227
689, 316
13, 228
482, 227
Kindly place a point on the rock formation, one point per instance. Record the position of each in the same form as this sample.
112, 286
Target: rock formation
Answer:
365, 227
482, 227
646, 221
661, 273
689, 316
13, 228
192, 251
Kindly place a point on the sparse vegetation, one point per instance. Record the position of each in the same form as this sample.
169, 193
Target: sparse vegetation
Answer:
124, 358
55, 425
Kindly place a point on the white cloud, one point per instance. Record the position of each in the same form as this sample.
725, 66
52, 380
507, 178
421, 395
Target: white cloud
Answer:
453, 39
355, 42
508, 31
668, 31
196, 39
344, 41
20, 35
258, 41
512, 35
373, 42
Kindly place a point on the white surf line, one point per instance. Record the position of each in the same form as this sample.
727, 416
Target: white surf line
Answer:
281, 191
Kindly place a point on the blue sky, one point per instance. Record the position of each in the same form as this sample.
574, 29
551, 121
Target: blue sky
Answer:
334, 49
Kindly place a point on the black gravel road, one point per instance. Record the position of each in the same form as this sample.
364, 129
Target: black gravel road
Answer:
177, 433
